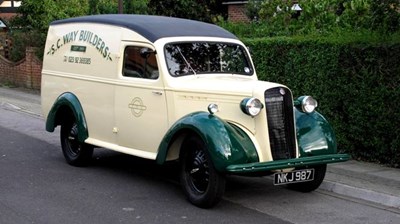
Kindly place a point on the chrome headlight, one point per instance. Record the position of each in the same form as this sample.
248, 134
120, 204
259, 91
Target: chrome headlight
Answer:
251, 106
307, 104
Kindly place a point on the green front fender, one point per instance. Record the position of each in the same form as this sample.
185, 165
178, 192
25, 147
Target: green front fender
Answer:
227, 144
315, 135
59, 110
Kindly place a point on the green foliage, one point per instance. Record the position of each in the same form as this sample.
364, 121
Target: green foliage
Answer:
356, 80
38, 14
23, 39
135, 6
275, 11
276, 17
252, 9
30, 27
111, 7
386, 15
102, 7
34, 15
203, 10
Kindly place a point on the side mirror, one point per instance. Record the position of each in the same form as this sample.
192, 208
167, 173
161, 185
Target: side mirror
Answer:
145, 52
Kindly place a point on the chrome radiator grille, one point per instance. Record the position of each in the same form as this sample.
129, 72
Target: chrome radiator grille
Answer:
279, 109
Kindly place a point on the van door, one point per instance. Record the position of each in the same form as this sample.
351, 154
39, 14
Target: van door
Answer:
140, 102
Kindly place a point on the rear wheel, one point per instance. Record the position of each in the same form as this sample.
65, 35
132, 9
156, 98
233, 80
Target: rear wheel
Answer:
75, 153
309, 186
202, 184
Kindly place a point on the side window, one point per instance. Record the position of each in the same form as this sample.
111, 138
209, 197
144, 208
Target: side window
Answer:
140, 62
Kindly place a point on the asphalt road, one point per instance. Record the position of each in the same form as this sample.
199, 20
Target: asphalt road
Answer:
37, 186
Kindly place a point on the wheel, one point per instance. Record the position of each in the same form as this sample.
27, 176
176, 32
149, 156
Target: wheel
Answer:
309, 186
75, 153
201, 183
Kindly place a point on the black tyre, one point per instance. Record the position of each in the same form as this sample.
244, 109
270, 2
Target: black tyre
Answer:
75, 153
202, 184
309, 186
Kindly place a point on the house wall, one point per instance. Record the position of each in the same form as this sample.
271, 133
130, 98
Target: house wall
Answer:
25, 73
7, 16
237, 13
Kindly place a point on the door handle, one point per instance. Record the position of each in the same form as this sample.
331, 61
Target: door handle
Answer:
158, 93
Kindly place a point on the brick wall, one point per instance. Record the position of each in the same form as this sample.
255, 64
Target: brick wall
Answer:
7, 15
25, 73
237, 13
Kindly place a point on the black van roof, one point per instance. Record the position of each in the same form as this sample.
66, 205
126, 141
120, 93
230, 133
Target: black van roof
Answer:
154, 27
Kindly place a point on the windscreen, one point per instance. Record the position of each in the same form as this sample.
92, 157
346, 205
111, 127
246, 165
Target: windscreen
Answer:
193, 58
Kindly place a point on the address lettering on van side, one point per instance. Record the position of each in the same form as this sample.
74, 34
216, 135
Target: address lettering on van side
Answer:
83, 36
77, 60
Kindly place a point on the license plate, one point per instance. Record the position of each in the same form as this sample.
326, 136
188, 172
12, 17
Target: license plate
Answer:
295, 176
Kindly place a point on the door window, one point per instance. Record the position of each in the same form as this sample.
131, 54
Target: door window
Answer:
140, 62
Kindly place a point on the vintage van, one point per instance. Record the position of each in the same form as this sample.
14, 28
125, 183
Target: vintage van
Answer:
169, 89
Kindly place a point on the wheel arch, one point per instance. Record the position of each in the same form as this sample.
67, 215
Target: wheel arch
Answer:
65, 105
227, 144
315, 135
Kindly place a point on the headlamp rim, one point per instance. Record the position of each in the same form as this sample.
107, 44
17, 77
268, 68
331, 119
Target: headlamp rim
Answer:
306, 101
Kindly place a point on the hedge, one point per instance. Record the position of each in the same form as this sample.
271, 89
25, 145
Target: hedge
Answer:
356, 82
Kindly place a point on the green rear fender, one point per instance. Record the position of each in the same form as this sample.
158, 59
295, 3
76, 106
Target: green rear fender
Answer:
315, 135
64, 104
227, 144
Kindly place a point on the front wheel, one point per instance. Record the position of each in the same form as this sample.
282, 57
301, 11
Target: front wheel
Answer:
202, 184
75, 153
311, 185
